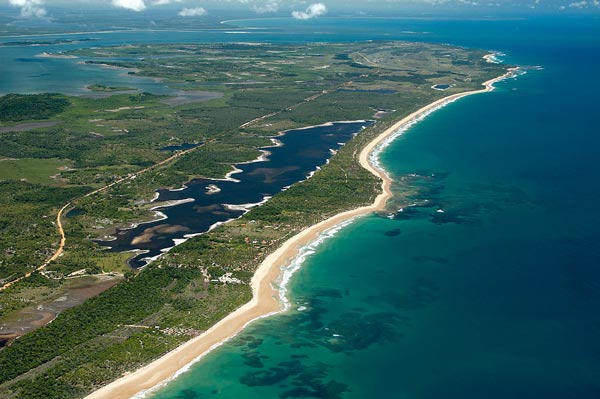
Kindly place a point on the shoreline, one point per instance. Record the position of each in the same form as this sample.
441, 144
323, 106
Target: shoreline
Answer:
266, 299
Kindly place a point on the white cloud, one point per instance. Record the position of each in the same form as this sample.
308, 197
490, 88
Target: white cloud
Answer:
134, 5
579, 4
192, 12
165, 2
266, 6
312, 11
585, 4
30, 8
457, 2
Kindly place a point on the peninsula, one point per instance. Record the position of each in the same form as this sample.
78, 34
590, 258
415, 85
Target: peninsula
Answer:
182, 296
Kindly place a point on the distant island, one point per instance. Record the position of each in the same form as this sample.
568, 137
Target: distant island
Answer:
46, 42
108, 89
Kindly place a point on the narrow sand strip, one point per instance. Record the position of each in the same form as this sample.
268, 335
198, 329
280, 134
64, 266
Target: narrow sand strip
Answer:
265, 299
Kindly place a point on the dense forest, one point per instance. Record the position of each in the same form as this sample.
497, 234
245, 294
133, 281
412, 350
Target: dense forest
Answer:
20, 107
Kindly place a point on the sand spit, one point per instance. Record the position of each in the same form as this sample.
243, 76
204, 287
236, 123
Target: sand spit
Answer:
265, 301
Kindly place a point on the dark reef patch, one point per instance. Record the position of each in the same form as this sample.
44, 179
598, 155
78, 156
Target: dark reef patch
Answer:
393, 233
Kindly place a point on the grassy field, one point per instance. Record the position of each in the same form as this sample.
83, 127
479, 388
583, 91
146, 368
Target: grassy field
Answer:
39, 171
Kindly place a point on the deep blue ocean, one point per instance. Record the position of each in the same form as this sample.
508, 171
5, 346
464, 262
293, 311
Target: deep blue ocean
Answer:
484, 279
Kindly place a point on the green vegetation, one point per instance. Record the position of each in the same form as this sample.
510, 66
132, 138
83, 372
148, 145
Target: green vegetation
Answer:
26, 221
108, 89
20, 107
39, 171
273, 87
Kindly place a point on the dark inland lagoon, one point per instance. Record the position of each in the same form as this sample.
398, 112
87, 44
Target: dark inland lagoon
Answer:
487, 283
204, 202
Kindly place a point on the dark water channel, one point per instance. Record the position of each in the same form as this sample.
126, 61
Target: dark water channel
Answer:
205, 202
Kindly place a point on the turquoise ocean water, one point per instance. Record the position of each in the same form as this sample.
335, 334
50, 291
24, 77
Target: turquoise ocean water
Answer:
495, 297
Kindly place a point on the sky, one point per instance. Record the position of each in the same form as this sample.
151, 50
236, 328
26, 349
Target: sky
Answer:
298, 9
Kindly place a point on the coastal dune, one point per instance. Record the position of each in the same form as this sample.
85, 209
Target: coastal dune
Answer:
265, 301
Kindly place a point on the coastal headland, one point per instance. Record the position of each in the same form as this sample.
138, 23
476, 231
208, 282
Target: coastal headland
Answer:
122, 148
265, 300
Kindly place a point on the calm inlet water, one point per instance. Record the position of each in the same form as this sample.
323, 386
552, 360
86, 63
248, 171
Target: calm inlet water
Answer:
298, 153
488, 287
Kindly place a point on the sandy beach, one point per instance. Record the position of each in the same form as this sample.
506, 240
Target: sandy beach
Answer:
265, 299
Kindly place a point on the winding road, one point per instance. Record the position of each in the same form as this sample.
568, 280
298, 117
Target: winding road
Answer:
61, 212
